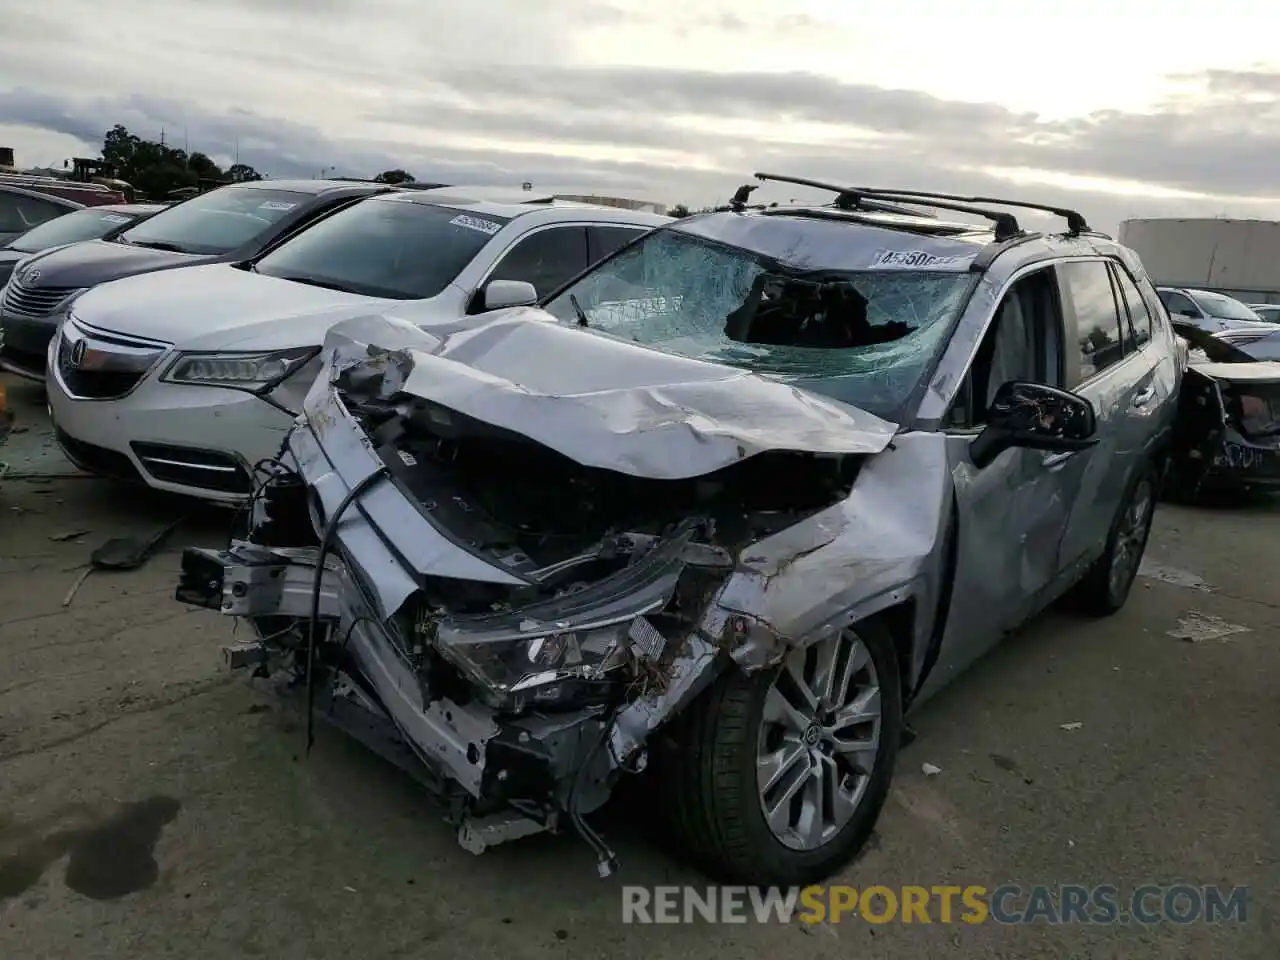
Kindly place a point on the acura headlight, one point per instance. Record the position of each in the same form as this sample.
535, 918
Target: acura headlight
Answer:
254, 372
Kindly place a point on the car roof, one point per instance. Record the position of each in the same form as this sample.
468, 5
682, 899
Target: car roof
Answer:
903, 236
37, 194
136, 209
314, 187
510, 204
850, 236
1196, 291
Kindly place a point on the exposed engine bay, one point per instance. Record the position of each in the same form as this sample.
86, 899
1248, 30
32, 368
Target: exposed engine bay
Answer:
557, 524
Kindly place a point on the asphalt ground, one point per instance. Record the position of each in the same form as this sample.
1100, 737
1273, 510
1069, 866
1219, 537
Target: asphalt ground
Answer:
151, 805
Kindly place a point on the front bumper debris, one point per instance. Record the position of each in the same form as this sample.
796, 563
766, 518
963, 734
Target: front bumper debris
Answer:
1227, 434
6, 415
500, 776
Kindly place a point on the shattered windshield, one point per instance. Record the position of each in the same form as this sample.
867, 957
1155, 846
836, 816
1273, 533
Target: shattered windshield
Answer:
866, 337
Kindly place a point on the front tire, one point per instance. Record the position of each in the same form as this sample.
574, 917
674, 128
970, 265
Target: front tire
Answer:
778, 778
1106, 585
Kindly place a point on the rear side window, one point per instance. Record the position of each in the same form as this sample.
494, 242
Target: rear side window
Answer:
1139, 318
1092, 318
602, 241
1179, 305
548, 259
18, 214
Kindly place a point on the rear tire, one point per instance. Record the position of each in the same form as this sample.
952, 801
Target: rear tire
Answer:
711, 770
1106, 585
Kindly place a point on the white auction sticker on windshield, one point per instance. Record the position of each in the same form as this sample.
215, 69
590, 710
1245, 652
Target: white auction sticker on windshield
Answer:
475, 223
276, 205
115, 218
917, 259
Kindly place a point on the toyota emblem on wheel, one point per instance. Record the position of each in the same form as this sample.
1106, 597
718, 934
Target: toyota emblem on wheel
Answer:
77, 354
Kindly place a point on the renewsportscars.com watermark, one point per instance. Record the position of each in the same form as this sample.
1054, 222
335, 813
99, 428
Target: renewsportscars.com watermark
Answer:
1006, 904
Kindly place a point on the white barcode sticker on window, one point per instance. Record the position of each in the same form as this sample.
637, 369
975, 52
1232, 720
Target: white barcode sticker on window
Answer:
115, 218
475, 223
276, 205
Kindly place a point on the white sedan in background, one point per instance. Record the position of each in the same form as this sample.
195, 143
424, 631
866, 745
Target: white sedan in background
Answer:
187, 380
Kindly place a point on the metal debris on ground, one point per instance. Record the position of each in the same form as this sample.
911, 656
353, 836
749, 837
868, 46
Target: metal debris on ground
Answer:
69, 535
930, 769
1196, 627
121, 553
1179, 578
1073, 725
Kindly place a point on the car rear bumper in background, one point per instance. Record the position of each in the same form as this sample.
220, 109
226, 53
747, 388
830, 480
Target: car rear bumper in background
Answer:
197, 441
24, 344
6, 415
1239, 462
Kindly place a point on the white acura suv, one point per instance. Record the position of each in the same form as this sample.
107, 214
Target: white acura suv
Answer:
187, 380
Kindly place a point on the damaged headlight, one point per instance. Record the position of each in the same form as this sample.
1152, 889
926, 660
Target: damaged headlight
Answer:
545, 663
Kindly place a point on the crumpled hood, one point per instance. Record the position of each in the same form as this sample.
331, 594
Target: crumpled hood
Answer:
1261, 371
217, 306
602, 401
90, 262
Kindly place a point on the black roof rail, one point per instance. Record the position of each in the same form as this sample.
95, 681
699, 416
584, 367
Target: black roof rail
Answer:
738, 203
853, 198
1076, 222
844, 200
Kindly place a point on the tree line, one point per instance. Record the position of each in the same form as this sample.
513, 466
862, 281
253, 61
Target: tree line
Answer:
157, 170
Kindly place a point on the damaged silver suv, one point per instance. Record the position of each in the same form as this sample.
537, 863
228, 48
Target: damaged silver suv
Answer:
724, 508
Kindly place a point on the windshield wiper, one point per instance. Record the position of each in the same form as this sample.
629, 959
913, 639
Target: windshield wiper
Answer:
577, 308
158, 245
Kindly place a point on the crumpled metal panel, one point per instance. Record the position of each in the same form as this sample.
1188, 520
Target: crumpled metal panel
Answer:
333, 457
1260, 372
601, 401
877, 548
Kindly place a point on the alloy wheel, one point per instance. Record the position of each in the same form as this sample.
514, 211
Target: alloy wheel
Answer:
818, 741
1131, 537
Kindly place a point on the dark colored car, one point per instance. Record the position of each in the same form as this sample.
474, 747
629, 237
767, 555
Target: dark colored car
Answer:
1260, 344
231, 223
91, 223
6, 415
82, 193
1227, 431
22, 208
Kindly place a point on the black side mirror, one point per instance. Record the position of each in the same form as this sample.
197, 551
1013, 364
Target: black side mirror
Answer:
1037, 417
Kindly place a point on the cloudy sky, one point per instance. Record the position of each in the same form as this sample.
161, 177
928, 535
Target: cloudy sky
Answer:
1121, 109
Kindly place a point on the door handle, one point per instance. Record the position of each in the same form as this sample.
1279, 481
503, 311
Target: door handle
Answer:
1055, 460
1145, 395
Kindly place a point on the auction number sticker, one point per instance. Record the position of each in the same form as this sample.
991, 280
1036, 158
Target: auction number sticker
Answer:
276, 205
475, 223
917, 259
115, 218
